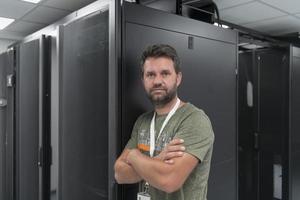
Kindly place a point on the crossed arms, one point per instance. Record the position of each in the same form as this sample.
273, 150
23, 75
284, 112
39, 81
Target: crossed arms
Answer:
167, 172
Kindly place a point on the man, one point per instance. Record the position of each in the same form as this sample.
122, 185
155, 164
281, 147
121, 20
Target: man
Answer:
155, 155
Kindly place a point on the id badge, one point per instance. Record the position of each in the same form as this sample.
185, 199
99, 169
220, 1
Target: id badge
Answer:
143, 196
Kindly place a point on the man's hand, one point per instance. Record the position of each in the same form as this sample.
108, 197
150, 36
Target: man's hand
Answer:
124, 173
174, 149
159, 174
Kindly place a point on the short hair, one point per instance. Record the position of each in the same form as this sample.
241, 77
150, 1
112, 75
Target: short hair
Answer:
160, 50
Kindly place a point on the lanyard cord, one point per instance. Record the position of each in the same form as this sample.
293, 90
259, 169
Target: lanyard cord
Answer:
152, 126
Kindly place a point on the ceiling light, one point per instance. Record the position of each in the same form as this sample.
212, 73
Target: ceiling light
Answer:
251, 46
221, 25
4, 22
32, 1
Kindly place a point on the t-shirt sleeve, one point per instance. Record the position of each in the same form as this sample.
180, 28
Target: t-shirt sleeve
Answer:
132, 142
197, 133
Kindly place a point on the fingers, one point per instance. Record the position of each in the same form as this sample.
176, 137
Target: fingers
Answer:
175, 154
176, 141
171, 148
175, 145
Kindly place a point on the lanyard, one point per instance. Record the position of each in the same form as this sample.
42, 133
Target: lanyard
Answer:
152, 126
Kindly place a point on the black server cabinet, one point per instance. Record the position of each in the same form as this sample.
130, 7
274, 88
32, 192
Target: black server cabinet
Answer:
32, 120
209, 61
27, 118
294, 124
263, 124
3, 105
83, 108
247, 155
8, 126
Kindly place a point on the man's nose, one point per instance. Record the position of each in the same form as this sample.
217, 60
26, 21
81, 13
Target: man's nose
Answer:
158, 80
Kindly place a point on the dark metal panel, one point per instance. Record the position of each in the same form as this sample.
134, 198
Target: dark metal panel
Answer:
83, 117
3, 106
295, 127
263, 128
54, 116
44, 118
140, 15
213, 75
247, 154
220, 186
295, 176
114, 104
28, 121
273, 119
10, 190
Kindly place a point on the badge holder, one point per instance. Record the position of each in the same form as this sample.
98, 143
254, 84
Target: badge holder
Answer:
144, 195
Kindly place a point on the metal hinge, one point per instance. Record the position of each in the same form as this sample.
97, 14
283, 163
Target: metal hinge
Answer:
10, 80
41, 157
3, 102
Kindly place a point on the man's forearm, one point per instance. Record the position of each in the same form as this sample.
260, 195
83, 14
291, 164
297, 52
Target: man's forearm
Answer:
124, 173
156, 172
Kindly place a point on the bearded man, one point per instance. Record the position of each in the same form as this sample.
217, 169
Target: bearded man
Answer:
170, 148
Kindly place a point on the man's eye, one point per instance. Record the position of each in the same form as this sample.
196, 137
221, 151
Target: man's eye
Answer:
150, 75
164, 74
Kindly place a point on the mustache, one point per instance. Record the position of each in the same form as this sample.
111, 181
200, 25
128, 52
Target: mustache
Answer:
158, 88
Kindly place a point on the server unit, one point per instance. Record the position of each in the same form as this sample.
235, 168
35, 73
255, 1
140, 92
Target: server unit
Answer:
32, 120
25, 128
83, 111
294, 142
267, 123
263, 125
3, 105
7, 138
85, 116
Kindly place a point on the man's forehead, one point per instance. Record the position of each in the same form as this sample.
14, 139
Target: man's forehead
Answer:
158, 64
158, 68
159, 58
157, 71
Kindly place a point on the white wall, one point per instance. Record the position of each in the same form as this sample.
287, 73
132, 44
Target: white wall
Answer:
4, 44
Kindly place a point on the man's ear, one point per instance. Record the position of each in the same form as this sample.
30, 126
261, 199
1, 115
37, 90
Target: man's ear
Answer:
178, 78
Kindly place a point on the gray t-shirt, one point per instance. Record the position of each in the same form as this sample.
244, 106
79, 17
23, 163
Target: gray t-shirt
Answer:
192, 125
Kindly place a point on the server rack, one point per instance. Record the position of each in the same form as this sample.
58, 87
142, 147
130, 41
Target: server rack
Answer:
268, 145
9, 161
7, 125
209, 60
3, 104
294, 142
84, 51
83, 138
32, 120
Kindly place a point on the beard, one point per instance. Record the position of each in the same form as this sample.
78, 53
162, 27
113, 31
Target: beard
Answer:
164, 98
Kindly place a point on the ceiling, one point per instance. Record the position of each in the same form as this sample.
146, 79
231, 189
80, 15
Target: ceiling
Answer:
272, 17
31, 17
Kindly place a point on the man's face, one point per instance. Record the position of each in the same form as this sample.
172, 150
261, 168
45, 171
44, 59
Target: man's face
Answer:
160, 80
